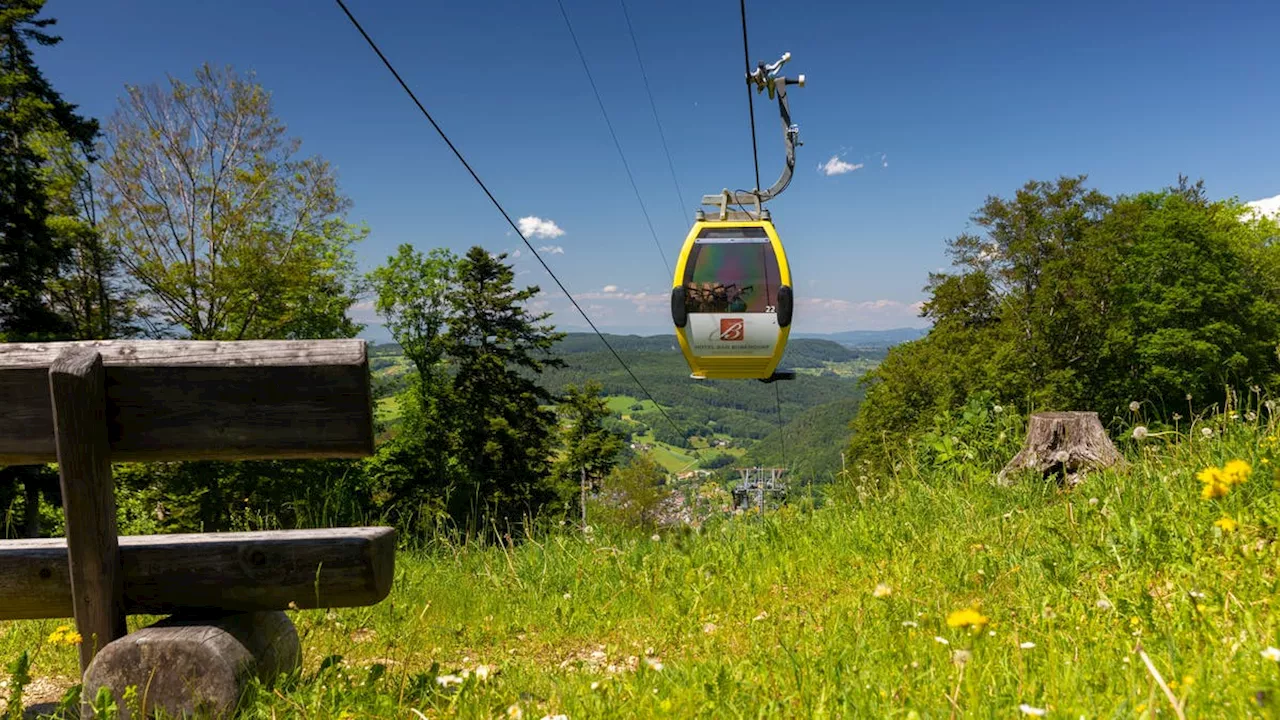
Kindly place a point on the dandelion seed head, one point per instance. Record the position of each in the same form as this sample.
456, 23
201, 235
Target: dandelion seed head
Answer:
1207, 432
1140, 433
882, 591
1134, 406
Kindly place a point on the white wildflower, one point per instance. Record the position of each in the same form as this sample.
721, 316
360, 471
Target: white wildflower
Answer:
910, 624
1030, 710
656, 537
1196, 594
1272, 654
763, 614
1140, 433
709, 628
882, 590
1135, 406
997, 409
555, 717
483, 672
1027, 645
447, 680
1207, 432
568, 596
940, 640
1104, 604
654, 664
515, 713
1251, 416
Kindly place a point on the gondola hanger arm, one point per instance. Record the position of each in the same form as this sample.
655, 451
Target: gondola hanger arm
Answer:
765, 78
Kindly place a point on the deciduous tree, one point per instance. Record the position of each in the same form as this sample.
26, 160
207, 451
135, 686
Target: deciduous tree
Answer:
230, 232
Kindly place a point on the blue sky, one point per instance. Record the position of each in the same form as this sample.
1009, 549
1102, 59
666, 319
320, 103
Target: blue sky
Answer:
941, 104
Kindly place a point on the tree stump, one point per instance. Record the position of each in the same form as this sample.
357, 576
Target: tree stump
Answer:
1065, 445
195, 665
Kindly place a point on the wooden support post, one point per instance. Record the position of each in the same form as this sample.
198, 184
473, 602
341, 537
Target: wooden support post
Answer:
77, 387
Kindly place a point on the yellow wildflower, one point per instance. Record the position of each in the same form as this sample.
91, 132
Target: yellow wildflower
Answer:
72, 638
967, 618
1226, 523
1236, 472
1216, 483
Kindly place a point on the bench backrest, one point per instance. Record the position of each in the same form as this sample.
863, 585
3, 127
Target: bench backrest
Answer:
194, 400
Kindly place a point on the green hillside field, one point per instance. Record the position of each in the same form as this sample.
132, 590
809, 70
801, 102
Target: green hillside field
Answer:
928, 593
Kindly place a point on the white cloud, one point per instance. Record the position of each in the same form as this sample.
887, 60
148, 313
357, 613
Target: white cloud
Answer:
884, 160
1268, 207
517, 254
610, 289
836, 166
536, 227
551, 250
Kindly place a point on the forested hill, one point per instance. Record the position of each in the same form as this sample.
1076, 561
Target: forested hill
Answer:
743, 409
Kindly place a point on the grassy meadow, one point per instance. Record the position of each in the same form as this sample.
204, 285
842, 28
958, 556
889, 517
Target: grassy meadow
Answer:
848, 610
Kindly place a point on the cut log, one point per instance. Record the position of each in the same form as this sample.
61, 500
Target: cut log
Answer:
185, 666
1065, 445
231, 572
197, 400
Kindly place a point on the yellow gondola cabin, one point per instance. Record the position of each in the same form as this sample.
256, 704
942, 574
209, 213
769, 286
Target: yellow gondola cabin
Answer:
731, 299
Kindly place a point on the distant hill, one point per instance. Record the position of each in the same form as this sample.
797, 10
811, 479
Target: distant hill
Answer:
814, 439
870, 338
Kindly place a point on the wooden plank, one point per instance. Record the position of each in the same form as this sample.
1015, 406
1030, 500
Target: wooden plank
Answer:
77, 385
239, 572
188, 400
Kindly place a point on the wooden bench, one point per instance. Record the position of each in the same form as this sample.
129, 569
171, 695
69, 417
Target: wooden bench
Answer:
86, 405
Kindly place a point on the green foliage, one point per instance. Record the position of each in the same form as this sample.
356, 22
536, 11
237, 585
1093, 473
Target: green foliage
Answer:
19, 677
499, 420
1072, 300
229, 233
632, 495
30, 253
813, 441
411, 291
586, 443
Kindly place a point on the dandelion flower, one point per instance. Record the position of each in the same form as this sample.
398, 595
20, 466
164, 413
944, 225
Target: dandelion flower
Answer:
1135, 406
1140, 433
1216, 483
1272, 654
882, 590
967, 618
1027, 645
1226, 523
1236, 472
1031, 710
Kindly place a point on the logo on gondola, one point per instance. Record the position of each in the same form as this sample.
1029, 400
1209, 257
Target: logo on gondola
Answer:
732, 330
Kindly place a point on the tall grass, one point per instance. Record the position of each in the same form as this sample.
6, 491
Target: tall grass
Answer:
780, 616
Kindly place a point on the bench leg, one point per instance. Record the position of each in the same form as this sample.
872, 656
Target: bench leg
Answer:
189, 664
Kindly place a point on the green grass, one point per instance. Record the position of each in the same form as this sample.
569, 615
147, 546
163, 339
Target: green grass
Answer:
777, 616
